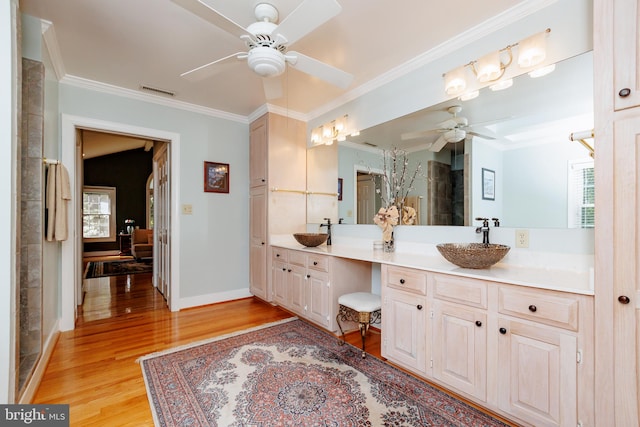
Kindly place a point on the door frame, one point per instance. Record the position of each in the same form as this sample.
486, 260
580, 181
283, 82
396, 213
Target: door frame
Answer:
71, 249
361, 169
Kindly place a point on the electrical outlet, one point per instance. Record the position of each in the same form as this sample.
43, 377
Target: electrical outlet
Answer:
187, 209
522, 238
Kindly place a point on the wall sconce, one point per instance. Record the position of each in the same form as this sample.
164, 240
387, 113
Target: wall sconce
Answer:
491, 67
335, 130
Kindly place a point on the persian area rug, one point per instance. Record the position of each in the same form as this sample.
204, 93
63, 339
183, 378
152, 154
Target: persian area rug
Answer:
116, 268
292, 374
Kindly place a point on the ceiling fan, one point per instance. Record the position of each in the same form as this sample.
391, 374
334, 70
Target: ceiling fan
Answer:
454, 129
267, 42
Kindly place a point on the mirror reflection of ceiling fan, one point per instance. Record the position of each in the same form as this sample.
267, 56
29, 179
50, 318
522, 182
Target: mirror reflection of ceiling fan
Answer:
267, 42
454, 129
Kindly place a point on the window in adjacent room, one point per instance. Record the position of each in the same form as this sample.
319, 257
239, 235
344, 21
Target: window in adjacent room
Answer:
581, 194
99, 214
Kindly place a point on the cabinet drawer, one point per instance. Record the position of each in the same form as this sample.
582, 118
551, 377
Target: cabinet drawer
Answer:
460, 290
298, 258
279, 254
547, 307
407, 279
318, 262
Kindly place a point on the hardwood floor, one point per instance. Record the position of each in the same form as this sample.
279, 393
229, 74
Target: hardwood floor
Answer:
93, 368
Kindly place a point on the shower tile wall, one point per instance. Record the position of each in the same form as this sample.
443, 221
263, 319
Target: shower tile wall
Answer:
31, 233
439, 194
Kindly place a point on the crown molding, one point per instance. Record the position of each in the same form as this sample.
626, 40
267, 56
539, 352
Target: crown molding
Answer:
134, 94
51, 43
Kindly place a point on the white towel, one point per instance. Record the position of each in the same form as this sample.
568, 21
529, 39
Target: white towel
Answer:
58, 192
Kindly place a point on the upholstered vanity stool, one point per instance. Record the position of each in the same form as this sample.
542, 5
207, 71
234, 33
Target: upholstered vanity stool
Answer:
362, 307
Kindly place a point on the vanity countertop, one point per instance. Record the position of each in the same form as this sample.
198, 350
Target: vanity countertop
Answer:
580, 282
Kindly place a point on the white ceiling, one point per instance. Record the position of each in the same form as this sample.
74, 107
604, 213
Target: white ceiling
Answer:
130, 43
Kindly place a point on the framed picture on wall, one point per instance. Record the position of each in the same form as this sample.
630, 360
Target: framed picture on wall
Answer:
216, 177
488, 184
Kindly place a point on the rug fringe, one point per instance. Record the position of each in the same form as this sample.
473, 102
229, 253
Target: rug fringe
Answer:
213, 339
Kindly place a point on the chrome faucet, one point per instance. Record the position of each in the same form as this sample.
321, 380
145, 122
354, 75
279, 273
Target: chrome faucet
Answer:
328, 225
484, 229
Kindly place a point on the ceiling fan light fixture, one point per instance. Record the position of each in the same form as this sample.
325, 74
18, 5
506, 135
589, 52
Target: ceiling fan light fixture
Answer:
454, 135
266, 62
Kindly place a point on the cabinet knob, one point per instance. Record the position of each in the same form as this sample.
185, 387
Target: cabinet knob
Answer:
308, 276
315, 262
262, 243
503, 330
419, 306
289, 270
624, 299
284, 269
478, 323
277, 255
402, 281
533, 308
624, 92
263, 180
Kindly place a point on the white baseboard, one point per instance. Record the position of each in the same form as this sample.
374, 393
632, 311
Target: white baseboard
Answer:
47, 350
213, 298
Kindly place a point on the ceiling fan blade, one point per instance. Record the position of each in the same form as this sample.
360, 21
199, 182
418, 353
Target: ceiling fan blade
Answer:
319, 69
447, 124
479, 135
208, 70
308, 16
439, 144
272, 87
416, 135
211, 15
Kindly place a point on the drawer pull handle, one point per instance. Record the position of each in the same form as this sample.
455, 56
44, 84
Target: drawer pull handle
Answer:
533, 308
503, 330
478, 323
315, 262
277, 255
284, 269
624, 92
308, 276
624, 299
402, 281
419, 306
289, 270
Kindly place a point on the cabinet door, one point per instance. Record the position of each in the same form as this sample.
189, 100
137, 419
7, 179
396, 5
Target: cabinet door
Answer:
537, 373
404, 329
318, 298
258, 246
626, 55
460, 347
258, 139
296, 284
626, 287
279, 282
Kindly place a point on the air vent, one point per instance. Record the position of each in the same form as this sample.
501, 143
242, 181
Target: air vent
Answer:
157, 90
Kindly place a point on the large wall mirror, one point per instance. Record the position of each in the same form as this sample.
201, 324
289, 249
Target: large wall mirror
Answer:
520, 166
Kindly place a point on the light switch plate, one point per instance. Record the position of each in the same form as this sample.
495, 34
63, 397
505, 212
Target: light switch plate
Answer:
522, 238
187, 209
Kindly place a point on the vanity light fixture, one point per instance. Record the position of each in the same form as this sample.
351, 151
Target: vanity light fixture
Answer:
542, 71
501, 85
492, 66
469, 95
335, 130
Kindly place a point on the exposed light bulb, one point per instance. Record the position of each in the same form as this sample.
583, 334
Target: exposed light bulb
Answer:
542, 71
502, 84
469, 95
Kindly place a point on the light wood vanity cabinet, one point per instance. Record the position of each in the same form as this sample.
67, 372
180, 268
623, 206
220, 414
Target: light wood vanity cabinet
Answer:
404, 308
522, 352
277, 158
309, 284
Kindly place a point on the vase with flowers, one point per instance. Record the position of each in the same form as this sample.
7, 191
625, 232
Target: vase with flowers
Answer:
397, 182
